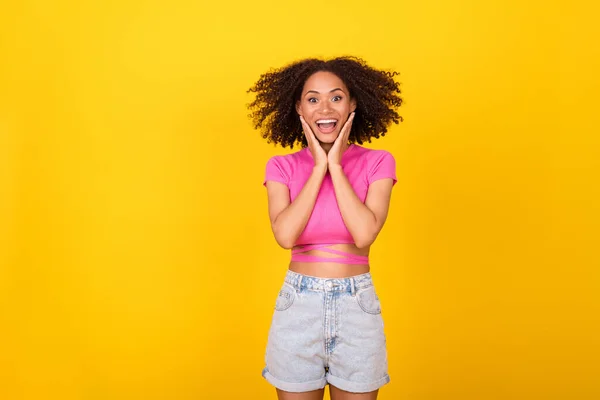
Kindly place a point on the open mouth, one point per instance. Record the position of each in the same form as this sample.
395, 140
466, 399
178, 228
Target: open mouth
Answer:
326, 125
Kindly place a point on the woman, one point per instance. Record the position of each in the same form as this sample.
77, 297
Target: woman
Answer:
327, 202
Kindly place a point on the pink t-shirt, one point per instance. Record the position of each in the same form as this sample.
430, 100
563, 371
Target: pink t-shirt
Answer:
362, 167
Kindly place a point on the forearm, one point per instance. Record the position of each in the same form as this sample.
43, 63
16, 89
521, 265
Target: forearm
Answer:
290, 223
358, 218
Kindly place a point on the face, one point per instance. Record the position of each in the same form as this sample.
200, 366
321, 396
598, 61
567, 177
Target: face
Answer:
325, 104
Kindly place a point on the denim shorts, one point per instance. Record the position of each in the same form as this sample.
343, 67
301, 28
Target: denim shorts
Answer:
326, 331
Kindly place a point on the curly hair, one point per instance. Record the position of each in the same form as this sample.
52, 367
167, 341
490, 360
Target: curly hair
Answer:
277, 91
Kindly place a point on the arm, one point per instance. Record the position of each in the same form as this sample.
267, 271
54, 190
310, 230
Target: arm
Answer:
288, 219
364, 221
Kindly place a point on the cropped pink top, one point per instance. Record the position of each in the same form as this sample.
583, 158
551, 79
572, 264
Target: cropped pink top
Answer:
325, 226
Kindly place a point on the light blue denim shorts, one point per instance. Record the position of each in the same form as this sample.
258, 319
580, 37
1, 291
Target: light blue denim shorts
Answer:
326, 331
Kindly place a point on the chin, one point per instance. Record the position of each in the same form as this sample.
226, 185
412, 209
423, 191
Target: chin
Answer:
327, 141
327, 137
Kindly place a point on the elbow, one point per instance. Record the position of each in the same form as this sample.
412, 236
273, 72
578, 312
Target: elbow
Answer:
284, 240
364, 243
284, 244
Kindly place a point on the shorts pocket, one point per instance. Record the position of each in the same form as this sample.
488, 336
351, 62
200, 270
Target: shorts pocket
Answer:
285, 298
367, 300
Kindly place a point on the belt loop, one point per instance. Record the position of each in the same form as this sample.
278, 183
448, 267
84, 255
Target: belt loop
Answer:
352, 288
299, 286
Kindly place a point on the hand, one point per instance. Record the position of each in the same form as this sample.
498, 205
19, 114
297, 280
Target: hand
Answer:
318, 153
334, 157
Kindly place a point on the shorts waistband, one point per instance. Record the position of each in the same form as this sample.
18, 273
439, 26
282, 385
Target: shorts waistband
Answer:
350, 284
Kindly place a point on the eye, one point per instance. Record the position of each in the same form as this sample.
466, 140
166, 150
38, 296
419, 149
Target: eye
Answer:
336, 98
312, 100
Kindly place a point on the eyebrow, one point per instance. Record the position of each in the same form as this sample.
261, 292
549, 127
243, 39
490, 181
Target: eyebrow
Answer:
332, 90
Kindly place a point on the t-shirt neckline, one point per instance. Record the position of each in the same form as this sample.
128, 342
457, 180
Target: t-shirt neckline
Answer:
350, 147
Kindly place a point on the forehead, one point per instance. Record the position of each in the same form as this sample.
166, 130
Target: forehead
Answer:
324, 81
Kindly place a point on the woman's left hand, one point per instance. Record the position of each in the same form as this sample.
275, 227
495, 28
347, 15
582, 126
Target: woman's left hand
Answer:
334, 156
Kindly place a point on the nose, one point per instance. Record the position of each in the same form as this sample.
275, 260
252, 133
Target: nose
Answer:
325, 107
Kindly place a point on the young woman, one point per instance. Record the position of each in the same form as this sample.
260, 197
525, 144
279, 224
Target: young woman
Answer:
327, 203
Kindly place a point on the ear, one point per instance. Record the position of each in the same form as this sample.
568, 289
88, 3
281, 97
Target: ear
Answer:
352, 105
298, 108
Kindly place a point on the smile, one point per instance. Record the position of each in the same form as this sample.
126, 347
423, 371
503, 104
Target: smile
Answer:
326, 125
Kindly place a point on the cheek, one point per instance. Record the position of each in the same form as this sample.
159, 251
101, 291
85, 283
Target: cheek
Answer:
304, 110
345, 105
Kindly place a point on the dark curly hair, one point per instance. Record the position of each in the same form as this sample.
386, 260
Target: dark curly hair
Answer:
277, 91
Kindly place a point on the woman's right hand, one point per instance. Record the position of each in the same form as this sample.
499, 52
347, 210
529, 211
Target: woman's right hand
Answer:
314, 146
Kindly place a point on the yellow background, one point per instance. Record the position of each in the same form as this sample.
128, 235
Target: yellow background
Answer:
136, 258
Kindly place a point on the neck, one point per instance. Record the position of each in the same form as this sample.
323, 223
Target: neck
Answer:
328, 146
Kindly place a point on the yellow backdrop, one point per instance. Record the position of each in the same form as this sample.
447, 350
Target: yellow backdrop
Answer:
136, 258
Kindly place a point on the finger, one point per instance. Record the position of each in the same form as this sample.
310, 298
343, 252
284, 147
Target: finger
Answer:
307, 131
348, 126
345, 133
310, 136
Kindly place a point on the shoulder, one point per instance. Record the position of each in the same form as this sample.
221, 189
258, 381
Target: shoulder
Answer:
377, 164
288, 160
373, 156
281, 167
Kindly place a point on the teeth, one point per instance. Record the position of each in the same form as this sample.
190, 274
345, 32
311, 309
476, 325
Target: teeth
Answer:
326, 121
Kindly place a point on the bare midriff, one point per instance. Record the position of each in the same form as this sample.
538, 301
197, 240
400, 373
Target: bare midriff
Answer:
323, 269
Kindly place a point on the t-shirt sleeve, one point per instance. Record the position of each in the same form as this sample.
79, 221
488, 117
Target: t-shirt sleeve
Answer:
383, 166
275, 171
